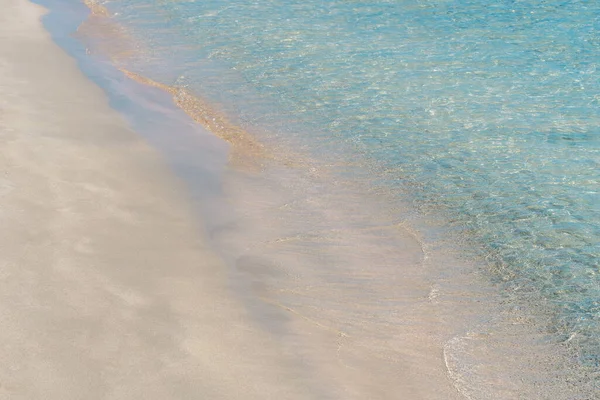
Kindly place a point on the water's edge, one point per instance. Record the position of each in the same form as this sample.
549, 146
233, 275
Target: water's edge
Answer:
449, 287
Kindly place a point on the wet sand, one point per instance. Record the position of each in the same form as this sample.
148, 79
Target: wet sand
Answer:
108, 289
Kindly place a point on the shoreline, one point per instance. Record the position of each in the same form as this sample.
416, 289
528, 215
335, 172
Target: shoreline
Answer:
108, 289
246, 150
324, 335
118, 295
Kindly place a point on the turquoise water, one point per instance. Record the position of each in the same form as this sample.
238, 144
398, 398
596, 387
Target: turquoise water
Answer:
484, 112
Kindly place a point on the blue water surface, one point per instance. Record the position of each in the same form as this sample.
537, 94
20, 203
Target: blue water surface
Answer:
487, 111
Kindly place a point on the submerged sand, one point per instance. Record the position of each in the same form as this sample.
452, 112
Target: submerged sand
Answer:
109, 291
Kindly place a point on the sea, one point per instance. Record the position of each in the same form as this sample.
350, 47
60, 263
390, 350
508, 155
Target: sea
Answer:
371, 143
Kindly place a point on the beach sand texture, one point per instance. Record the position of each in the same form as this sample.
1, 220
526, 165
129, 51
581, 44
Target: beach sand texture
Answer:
107, 289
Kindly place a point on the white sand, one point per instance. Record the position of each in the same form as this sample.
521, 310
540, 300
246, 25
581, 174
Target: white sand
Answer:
106, 288
106, 291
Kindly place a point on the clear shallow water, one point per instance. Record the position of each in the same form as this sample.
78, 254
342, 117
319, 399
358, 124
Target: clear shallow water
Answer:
486, 112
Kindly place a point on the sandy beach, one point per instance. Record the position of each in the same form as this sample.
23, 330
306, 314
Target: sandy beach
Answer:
108, 289
265, 200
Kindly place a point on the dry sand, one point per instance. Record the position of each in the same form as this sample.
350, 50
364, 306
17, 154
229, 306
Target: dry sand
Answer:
107, 289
